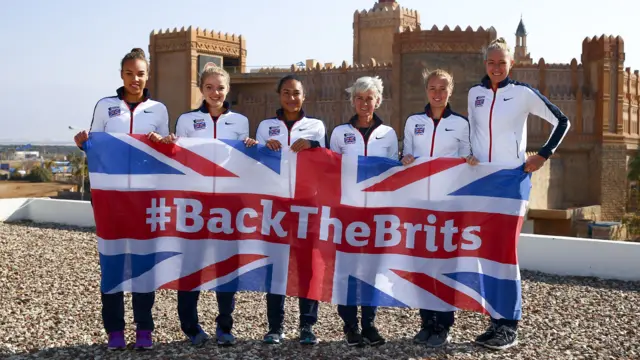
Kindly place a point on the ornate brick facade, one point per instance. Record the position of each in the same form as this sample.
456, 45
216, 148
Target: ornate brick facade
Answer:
600, 96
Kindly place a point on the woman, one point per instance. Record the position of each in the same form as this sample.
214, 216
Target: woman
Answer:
364, 135
213, 119
498, 112
292, 129
436, 132
130, 111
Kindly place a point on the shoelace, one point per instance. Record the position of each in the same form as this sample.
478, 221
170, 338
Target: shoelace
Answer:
503, 333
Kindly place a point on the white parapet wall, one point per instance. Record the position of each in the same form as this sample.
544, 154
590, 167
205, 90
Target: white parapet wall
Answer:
549, 254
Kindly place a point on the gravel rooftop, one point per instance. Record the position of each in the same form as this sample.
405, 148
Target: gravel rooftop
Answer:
50, 308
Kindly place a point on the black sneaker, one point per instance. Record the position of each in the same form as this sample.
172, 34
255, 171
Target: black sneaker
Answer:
422, 336
504, 338
372, 336
439, 337
488, 334
354, 337
307, 337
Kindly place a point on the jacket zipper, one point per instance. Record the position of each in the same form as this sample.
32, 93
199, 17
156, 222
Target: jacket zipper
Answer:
490, 123
517, 149
131, 118
433, 136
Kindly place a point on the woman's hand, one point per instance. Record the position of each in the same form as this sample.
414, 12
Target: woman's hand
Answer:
81, 138
471, 160
171, 138
249, 142
300, 144
534, 162
273, 144
154, 137
407, 159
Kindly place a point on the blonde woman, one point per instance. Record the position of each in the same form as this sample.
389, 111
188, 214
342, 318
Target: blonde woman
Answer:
215, 120
436, 132
498, 112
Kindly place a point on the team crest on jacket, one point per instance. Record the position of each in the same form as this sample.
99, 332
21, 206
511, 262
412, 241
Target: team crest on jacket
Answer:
114, 111
349, 138
199, 124
274, 130
419, 129
479, 101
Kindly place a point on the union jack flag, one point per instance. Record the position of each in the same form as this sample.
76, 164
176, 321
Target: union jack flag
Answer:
207, 214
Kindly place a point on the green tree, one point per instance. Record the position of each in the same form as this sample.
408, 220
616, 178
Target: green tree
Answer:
634, 168
40, 174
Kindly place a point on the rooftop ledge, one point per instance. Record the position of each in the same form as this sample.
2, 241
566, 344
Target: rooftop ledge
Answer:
557, 255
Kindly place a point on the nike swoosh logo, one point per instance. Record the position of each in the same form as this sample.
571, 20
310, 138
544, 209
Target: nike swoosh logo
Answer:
505, 99
448, 129
302, 129
227, 123
378, 138
148, 111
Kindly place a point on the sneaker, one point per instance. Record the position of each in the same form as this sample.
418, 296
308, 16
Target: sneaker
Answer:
273, 337
372, 336
354, 337
504, 338
422, 336
200, 338
488, 334
307, 337
225, 338
439, 337
143, 340
116, 341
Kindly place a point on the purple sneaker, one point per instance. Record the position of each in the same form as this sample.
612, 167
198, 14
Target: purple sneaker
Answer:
143, 340
116, 341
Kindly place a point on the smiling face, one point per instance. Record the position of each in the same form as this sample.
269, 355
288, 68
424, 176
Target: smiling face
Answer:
498, 64
365, 103
438, 92
214, 90
134, 74
291, 96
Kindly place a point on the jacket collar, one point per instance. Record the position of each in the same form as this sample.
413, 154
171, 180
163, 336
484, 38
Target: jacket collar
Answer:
377, 121
486, 82
280, 114
447, 111
146, 94
203, 107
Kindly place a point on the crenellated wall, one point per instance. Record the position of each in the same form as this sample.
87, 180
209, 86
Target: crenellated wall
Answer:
254, 94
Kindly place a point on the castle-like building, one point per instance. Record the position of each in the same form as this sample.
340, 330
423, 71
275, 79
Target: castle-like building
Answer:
598, 94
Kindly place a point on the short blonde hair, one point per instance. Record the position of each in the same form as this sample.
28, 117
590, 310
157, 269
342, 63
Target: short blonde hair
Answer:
498, 44
365, 84
428, 75
212, 69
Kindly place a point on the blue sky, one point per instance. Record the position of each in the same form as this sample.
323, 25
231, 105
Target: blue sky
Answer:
59, 57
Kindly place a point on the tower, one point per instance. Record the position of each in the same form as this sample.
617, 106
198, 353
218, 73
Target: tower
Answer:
373, 30
521, 56
178, 57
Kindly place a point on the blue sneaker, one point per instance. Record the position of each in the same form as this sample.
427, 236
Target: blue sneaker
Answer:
200, 338
307, 337
274, 336
225, 338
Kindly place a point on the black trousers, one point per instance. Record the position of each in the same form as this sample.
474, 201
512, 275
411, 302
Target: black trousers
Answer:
188, 311
442, 318
113, 311
349, 314
275, 311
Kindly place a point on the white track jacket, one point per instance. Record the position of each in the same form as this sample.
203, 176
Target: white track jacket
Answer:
200, 124
498, 121
112, 114
448, 137
382, 140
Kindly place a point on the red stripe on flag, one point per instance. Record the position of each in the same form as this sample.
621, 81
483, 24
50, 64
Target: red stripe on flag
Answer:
443, 291
187, 158
415, 173
211, 272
